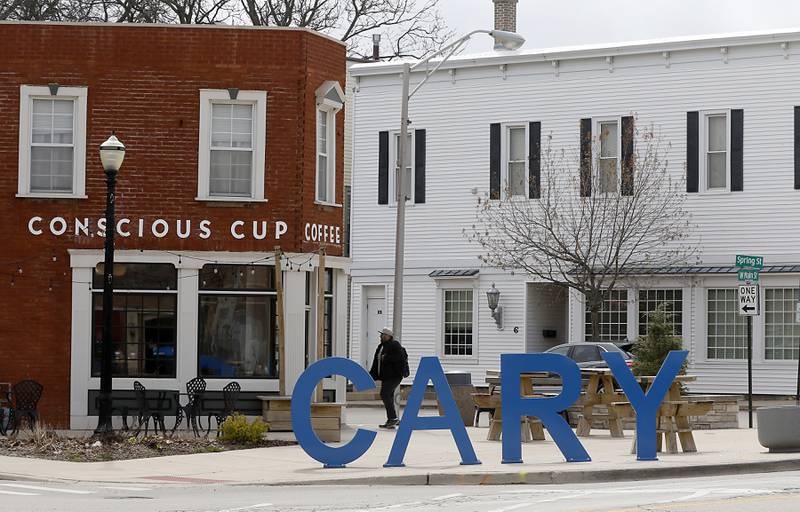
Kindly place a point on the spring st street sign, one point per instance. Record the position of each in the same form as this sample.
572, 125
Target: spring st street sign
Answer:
749, 261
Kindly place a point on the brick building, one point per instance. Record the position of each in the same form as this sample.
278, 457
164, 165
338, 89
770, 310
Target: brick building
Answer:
234, 147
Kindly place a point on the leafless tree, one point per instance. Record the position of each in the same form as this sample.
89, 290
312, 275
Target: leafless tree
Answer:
410, 27
589, 243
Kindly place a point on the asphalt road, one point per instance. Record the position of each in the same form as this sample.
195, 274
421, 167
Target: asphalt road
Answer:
743, 493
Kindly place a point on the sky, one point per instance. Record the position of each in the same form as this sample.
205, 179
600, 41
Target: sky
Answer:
548, 23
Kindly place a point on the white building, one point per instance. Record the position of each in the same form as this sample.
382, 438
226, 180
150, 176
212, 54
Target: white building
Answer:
741, 88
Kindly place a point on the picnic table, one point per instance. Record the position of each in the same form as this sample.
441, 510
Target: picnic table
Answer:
599, 391
672, 421
532, 428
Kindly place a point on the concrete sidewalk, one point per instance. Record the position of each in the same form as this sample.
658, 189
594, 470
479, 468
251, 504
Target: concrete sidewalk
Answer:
431, 458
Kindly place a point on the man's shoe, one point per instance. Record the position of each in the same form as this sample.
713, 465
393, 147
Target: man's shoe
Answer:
390, 424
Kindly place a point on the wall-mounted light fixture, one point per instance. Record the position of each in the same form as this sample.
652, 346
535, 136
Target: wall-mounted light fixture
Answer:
493, 296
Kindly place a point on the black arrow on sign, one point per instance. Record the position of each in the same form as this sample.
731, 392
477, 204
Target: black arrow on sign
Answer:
747, 309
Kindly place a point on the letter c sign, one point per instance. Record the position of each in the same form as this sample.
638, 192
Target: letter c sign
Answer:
301, 412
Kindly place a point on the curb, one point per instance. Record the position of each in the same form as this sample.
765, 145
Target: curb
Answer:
561, 477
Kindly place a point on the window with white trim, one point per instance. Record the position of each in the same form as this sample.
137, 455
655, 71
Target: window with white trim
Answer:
671, 298
232, 145
608, 157
726, 330
717, 166
326, 155
52, 142
457, 321
613, 317
409, 167
515, 178
782, 331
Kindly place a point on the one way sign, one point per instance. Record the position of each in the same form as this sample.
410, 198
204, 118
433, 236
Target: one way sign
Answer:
749, 300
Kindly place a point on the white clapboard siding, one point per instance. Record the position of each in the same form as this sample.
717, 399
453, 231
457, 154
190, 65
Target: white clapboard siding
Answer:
756, 74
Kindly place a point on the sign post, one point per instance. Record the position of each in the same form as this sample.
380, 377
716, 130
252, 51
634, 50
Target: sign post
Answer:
749, 306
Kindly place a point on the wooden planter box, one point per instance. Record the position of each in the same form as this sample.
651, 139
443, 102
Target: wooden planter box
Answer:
326, 418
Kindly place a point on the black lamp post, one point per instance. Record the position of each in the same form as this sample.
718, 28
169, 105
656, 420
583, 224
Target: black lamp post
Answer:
112, 152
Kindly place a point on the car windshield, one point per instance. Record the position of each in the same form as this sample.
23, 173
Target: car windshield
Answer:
610, 347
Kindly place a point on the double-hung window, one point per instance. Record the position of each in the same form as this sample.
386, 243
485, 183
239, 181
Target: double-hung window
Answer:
329, 99
608, 158
716, 148
671, 299
408, 167
52, 142
726, 329
232, 145
516, 151
458, 321
613, 317
782, 330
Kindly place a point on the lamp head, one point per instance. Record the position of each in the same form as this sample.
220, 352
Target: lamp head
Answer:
493, 296
112, 153
504, 40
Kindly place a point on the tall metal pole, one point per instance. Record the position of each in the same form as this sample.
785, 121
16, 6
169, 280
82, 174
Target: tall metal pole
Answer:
104, 426
400, 230
750, 371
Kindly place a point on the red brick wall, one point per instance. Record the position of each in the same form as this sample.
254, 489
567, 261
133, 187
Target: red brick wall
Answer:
144, 83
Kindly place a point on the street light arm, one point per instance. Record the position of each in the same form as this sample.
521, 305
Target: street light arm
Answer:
457, 42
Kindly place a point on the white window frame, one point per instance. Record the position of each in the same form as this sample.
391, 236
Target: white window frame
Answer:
705, 334
597, 129
703, 167
394, 137
449, 284
208, 97
78, 94
330, 140
505, 143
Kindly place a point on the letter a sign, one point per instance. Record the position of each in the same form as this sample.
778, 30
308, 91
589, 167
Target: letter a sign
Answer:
749, 300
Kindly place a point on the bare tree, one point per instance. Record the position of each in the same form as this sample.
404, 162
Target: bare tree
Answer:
412, 27
589, 243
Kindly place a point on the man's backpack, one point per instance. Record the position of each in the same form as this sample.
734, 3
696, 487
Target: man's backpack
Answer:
406, 369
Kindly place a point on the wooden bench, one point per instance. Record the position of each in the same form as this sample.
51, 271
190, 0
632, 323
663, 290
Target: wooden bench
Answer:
326, 418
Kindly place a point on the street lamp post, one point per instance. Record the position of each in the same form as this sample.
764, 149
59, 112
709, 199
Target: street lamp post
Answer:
503, 41
112, 152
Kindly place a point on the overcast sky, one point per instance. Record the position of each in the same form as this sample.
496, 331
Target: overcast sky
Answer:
549, 23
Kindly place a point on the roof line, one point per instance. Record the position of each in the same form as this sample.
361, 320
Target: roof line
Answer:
596, 50
169, 25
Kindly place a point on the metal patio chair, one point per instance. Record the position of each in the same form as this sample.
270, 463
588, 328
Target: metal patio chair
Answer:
24, 398
230, 394
195, 390
145, 414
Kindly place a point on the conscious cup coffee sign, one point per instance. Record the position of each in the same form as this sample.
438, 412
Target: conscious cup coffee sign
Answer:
514, 407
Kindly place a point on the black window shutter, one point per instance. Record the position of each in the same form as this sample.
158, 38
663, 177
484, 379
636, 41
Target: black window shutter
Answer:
626, 186
692, 151
797, 148
383, 167
419, 166
737, 153
535, 160
494, 161
586, 157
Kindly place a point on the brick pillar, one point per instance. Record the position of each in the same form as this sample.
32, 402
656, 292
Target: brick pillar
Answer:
505, 15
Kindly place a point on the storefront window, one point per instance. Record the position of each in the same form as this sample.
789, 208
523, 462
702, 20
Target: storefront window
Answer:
237, 331
613, 318
727, 331
144, 322
782, 330
672, 299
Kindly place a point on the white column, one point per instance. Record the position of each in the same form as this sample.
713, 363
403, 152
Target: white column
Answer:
188, 305
81, 348
294, 306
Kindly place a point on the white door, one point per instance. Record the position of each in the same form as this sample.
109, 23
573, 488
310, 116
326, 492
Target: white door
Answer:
375, 322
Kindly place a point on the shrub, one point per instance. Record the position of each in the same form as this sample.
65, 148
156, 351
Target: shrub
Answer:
237, 430
652, 349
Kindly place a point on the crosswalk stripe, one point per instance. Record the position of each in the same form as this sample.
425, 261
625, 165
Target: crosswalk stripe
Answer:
49, 489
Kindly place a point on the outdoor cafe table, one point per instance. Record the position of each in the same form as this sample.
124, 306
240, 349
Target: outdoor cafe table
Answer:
532, 428
599, 391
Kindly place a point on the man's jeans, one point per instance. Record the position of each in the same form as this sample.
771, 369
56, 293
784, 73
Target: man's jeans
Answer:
388, 388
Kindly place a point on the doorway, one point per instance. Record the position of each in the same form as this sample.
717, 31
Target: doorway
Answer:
546, 316
375, 315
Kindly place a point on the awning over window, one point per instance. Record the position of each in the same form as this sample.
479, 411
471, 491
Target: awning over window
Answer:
454, 272
699, 269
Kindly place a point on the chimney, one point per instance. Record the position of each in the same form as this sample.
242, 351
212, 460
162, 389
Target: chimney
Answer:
505, 15
376, 47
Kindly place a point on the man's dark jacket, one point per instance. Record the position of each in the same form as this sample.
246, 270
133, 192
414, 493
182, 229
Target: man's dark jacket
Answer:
387, 363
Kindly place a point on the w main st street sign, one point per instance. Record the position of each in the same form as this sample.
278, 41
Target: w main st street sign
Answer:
749, 300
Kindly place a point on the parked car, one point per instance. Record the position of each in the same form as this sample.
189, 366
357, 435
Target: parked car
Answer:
588, 354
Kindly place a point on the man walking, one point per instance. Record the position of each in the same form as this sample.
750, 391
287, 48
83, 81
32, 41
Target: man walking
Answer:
387, 367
